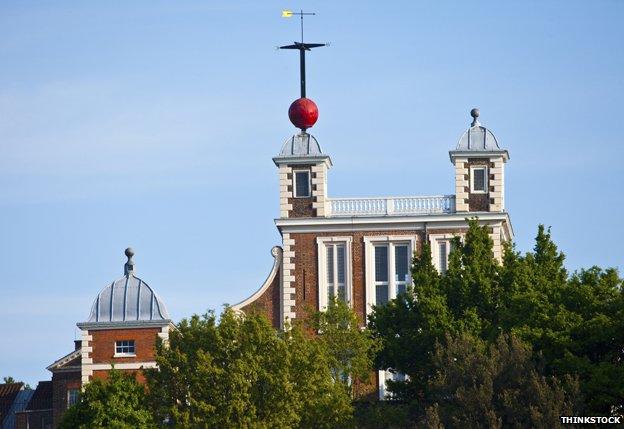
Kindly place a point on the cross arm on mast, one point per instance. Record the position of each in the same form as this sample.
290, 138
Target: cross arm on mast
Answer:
302, 47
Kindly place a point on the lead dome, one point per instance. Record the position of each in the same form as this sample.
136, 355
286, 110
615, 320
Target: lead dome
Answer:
128, 299
477, 137
301, 144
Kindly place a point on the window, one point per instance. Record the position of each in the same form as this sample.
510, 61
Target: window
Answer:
390, 270
479, 179
443, 256
72, 396
401, 262
384, 376
124, 348
387, 260
381, 275
441, 248
334, 269
302, 184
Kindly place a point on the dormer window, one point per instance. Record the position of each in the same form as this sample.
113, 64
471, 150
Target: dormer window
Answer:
478, 182
302, 183
124, 348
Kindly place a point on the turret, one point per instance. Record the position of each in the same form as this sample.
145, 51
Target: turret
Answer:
479, 170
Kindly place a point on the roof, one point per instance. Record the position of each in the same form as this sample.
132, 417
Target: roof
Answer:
42, 397
302, 144
127, 300
478, 141
478, 138
70, 361
8, 394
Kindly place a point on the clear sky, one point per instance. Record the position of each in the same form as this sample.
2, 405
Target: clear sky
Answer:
152, 124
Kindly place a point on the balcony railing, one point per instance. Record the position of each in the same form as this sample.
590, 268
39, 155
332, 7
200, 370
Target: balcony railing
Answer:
393, 206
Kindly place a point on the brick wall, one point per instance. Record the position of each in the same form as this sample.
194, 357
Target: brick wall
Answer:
138, 374
61, 383
103, 344
306, 268
269, 302
33, 419
478, 202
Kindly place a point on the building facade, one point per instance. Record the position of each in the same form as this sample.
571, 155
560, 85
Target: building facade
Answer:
360, 249
126, 319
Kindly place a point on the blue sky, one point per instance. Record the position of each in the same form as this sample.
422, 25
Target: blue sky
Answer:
153, 123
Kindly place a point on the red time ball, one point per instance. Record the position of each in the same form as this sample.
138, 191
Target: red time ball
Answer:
303, 113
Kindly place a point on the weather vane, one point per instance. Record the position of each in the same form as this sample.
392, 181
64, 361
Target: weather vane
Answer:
301, 46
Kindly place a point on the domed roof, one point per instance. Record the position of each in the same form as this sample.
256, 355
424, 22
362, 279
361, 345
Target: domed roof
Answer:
128, 299
302, 144
477, 138
478, 141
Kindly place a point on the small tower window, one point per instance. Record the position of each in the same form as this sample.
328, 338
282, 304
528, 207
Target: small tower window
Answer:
479, 179
302, 184
124, 348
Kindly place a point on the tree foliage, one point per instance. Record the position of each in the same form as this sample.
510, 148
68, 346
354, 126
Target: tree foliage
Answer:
118, 402
573, 323
350, 348
239, 372
493, 386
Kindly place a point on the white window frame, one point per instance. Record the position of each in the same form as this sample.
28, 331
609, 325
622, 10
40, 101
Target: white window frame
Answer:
369, 257
294, 178
322, 243
369, 250
486, 182
434, 242
383, 377
125, 354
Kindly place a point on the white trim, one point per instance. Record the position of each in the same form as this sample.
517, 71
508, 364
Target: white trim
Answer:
390, 220
65, 359
124, 355
434, 242
369, 258
124, 365
479, 154
126, 324
276, 251
486, 182
321, 243
294, 181
86, 361
398, 223
287, 281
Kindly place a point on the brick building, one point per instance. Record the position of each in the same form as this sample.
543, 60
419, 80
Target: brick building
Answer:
125, 320
360, 249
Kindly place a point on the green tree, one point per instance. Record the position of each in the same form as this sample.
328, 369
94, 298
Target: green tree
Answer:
573, 322
492, 386
10, 380
350, 349
239, 372
576, 322
118, 402
409, 326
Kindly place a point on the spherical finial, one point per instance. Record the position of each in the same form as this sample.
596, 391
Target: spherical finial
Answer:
475, 115
129, 266
303, 113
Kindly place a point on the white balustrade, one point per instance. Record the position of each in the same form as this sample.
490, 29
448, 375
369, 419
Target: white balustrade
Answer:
394, 206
